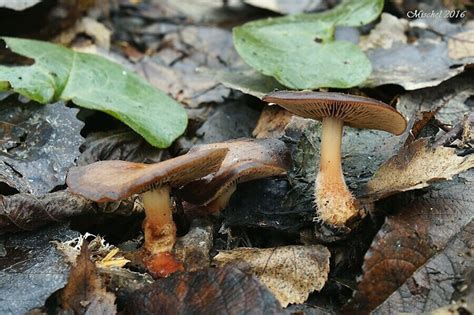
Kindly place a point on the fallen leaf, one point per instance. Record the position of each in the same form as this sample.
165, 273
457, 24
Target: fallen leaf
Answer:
173, 68
451, 96
225, 290
421, 228
386, 33
93, 82
31, 269
24, 212
245, 80
38, 144
434, 284
122, 145
416, 166
419, 63
90, 27
84, 293
312, 59
289, 7
228, 121
291, 273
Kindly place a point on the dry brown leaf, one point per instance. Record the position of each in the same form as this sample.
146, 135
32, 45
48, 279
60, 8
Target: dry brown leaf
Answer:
291, 273
416, 166
224, 291
84, 292
424, 224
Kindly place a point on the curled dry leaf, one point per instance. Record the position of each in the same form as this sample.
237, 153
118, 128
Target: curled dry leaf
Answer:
420, 229
84, 292
434, 284
416, 166
291, 273
38, 144
225, 290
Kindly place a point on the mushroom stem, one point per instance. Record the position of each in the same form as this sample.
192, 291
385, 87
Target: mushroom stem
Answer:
335, 203
219, 204
159, 227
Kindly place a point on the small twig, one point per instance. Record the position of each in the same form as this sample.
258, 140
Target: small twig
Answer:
456, 132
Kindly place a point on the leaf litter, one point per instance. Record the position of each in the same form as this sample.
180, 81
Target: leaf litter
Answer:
278, 213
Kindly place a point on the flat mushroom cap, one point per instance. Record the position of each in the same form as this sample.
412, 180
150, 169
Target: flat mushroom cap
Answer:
115, 180
247, 159
356, 111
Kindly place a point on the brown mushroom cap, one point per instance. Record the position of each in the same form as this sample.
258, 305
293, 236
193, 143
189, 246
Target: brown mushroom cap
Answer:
247, 159
356, 111
115, 180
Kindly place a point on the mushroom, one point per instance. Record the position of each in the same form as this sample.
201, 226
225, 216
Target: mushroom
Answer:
335, 203
116, 180
247, 159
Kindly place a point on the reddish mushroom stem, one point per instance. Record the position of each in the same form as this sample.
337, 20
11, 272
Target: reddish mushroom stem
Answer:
159, 227
335, 203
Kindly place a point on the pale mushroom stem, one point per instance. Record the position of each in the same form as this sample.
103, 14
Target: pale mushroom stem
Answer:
159, 227
335, 203
219, 204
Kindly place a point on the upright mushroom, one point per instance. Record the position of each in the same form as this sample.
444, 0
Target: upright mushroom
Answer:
335, 203
247, 159
116, 180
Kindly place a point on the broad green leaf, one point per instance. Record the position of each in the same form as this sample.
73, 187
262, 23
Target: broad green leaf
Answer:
93, 82
300, 51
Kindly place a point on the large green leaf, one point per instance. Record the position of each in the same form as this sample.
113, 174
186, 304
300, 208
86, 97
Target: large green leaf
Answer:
300, 50
93, 82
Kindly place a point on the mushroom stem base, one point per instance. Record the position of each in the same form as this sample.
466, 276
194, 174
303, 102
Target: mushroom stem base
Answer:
159, 227
335, 203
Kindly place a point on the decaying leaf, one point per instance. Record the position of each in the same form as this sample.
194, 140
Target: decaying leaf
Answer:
386, 33
435, 283
31, 268
436, 54
38, 144
244, 79
225, 290
451, 97
416, 166
24, 212
122, 145
291, 273
84, 292
173, 68
421, 228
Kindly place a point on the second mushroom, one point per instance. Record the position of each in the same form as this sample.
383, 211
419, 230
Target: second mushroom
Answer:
106, 181
335, 203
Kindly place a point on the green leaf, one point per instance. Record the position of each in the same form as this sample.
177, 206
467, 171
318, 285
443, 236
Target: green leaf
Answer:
300, 51
93, 82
